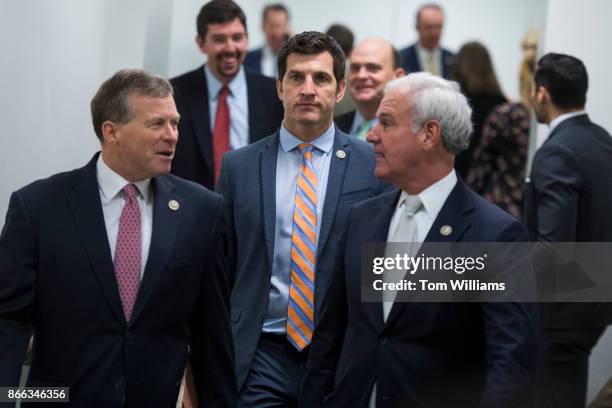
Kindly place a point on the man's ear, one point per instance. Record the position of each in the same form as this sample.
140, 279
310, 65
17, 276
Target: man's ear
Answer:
279, 88
542, 95
340, 89
399, 72
201, 42
432, 132
110, 133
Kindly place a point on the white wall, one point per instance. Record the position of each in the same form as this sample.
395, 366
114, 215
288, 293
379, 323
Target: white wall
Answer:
583, 30
499, 24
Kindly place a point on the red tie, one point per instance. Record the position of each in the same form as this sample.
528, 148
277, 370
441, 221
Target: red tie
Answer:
128, 251
221, 132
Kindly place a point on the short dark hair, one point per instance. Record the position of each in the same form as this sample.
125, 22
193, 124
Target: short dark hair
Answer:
218, 12
312, 43
111, 101
565, 78
343, 35
423, 7
273, 7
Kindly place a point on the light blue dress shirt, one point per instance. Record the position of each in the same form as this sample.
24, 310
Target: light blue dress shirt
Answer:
238, 103
289, 161
358, 120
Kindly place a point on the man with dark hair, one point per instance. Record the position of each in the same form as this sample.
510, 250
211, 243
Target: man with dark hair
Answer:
222, 105
287, 195
373, 63
568, 199
275, 27
426, 54
117, 268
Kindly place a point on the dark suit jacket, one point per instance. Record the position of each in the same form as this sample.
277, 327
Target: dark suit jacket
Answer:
425, 354
568, 199
345, 121
57, 280
410, 61
253, 60
194, 152
248, 183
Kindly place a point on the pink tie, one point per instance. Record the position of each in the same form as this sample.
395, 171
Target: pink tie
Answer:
128, 251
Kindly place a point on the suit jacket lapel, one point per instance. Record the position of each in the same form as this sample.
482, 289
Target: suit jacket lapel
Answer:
200, 115
378, 227
454, 213
165, 225
337, 169
267, 164
84, 200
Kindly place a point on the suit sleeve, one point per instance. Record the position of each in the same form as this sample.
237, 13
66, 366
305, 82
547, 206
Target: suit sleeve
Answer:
212, 352
557, 184
18, 266
328, 336
511, 335
224, 188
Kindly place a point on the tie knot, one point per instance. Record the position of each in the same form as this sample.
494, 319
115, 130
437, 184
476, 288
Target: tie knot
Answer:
306, 149
130, 191
412, 204
224, 91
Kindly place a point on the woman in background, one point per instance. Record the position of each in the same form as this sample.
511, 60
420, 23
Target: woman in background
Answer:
474, 71
499, 162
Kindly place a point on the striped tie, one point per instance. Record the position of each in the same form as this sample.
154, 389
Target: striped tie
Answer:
300, 313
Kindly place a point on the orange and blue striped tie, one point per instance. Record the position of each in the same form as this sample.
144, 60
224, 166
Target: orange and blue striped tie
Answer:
300, 313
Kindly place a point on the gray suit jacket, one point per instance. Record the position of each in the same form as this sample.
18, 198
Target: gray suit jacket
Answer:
248, 181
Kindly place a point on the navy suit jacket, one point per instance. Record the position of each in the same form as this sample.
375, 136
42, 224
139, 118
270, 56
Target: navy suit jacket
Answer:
253, 60
248, 183
426, 354
568, 199
194, 152
345, 121
410, 61
57, 280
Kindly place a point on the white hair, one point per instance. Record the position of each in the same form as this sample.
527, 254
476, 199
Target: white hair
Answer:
434, 98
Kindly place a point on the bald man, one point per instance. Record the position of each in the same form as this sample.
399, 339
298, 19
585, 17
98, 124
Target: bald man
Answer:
374, 62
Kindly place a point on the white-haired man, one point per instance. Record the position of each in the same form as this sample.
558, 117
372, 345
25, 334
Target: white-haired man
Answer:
404, 354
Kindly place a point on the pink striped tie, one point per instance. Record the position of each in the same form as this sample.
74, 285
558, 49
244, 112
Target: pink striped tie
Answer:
128, 251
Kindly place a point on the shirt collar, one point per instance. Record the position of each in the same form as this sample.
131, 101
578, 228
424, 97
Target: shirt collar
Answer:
434, 196
325, 142
214, 85
359, 119
424, 52
112, 183
265, 50
562, 118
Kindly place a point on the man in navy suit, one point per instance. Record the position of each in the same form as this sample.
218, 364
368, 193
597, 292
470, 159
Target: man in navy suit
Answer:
419, 354
118, 269
568, 199
426, 54
287, 196
275, 27
223, 106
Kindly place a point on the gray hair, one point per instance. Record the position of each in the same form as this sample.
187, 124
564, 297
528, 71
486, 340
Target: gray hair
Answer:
434, 98
111, 100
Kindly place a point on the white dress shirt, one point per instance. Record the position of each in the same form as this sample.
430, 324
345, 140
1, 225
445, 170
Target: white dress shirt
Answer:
423, 54
110, 185
268, 62
557, 121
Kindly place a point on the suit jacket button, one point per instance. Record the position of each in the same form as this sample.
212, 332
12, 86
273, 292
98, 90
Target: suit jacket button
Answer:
383, 340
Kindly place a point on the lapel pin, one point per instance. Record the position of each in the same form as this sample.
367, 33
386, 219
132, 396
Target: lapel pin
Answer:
341, 154
446, 230
173, 205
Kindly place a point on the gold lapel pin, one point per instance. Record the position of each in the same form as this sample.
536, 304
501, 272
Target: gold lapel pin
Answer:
446, 230
341, 154
173, 205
